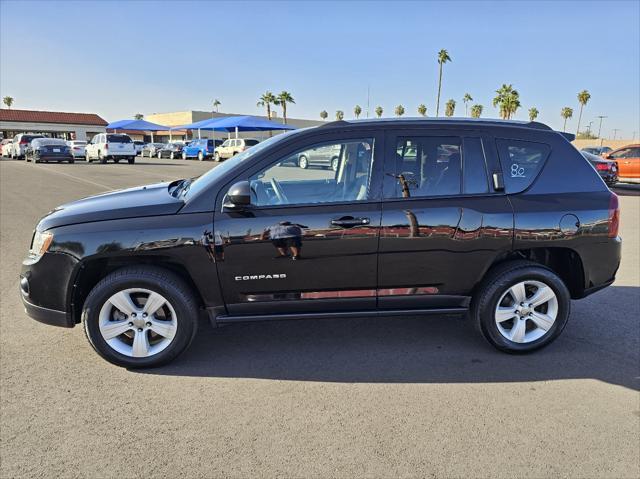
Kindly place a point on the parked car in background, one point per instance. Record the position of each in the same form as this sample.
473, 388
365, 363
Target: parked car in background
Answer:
5, 146
171, 150
138, 145
20, 144
77, 148
232, 147
597, 150
111, 146
325, 156
607, 169
151, 149
628, 160
48, 149
201, 149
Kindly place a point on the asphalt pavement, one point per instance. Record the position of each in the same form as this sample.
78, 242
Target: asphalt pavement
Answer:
384, 397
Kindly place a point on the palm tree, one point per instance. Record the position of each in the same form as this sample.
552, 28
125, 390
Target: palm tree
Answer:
357, 111
566, 113
583, 98
379, 111
450, 107
533, 113
476, 111
324, 114
267, 99
282, 99
399, 110
466, 99
339, 115
508, 99
8, 100
138, 116
216, 104
422, 109
443, 57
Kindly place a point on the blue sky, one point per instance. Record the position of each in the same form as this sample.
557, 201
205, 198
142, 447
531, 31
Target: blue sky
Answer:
118, 58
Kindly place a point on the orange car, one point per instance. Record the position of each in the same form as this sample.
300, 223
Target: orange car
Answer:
628, 160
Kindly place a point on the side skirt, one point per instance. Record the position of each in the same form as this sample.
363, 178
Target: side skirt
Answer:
224, 319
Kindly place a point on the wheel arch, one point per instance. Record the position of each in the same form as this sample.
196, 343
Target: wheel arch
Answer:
91, 271
564, 262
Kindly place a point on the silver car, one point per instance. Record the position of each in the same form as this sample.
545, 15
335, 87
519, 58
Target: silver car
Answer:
326, 156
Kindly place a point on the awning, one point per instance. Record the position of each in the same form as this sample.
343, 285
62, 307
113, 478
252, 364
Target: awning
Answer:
237, 123
137, 125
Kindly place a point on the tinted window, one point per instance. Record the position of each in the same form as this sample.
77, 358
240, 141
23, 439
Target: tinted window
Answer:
250, 142
633, 153
475, 169
620, 154
521, 162
118, 139
427, 166
286, 183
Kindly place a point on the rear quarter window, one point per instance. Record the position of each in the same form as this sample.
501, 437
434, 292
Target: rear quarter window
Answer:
521, 162
118, 139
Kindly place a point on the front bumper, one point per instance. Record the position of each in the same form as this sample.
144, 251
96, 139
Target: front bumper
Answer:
47, 316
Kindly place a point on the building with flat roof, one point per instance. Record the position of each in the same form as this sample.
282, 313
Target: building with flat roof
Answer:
56, 124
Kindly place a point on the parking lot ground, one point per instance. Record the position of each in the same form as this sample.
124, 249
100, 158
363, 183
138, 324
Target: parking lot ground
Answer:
385, 397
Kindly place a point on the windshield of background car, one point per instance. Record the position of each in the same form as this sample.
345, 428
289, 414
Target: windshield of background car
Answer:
201, 182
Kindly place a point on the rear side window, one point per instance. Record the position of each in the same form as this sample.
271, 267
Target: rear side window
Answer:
521, 162
118, 139
250, 142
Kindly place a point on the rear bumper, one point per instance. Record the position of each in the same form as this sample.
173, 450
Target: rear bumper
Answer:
54, 157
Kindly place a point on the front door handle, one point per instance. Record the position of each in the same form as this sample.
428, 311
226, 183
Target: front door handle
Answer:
350, 222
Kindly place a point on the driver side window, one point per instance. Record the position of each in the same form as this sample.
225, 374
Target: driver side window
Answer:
329, 172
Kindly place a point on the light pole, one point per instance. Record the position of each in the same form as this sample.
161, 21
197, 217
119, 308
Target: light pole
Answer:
589, 128
615, 131
600, 127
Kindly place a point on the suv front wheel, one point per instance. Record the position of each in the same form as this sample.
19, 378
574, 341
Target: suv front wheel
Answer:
521, 306
140, 317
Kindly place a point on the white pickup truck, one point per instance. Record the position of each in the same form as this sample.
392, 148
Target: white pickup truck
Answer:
111, 146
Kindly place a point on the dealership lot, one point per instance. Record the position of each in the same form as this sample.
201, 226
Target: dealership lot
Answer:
334, 398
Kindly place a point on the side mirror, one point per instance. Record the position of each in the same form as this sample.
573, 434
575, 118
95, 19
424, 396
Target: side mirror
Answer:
238, 196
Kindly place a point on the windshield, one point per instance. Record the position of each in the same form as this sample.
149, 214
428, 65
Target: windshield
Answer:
203, 181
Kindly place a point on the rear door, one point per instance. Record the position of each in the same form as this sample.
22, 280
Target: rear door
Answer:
309, 242
443, 223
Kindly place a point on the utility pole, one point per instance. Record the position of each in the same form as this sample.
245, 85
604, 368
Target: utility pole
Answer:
368, 95
634, 136
615, 131
589, 128
600, 127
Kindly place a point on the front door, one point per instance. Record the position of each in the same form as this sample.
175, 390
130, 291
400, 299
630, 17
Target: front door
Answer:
442, 222
309, 240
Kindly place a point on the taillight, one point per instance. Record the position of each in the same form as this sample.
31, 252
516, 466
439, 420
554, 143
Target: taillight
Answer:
23, 142
602, 166
614, 215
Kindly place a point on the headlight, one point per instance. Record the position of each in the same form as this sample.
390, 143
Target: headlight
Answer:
40, 243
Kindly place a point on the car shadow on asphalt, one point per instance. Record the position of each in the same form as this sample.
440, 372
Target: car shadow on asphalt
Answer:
626, 189
600, 342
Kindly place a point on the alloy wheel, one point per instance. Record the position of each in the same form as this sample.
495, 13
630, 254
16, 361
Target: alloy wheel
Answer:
138, 322
526, 311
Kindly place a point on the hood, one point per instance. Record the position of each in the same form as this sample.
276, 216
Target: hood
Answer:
149, 200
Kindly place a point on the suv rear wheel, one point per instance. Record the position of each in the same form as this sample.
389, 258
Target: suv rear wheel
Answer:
140, 317
521, 306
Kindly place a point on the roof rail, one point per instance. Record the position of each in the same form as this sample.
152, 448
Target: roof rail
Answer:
334, 123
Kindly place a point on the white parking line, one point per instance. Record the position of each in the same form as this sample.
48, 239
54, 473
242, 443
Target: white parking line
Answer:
77, 178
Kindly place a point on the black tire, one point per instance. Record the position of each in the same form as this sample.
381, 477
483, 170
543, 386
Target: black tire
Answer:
303, 162
131, 161
159, 280
116, 160
494, 286
72, 161
102, 159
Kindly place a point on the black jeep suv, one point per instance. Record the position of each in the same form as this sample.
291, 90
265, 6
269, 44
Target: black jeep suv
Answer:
505, 221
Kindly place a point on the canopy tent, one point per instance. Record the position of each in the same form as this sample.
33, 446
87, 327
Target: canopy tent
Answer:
137, 125
237, 123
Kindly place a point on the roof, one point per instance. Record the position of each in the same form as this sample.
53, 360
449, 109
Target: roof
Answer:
443, 121
35, 116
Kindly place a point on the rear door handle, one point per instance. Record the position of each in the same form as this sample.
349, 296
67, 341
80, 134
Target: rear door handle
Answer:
350, 221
